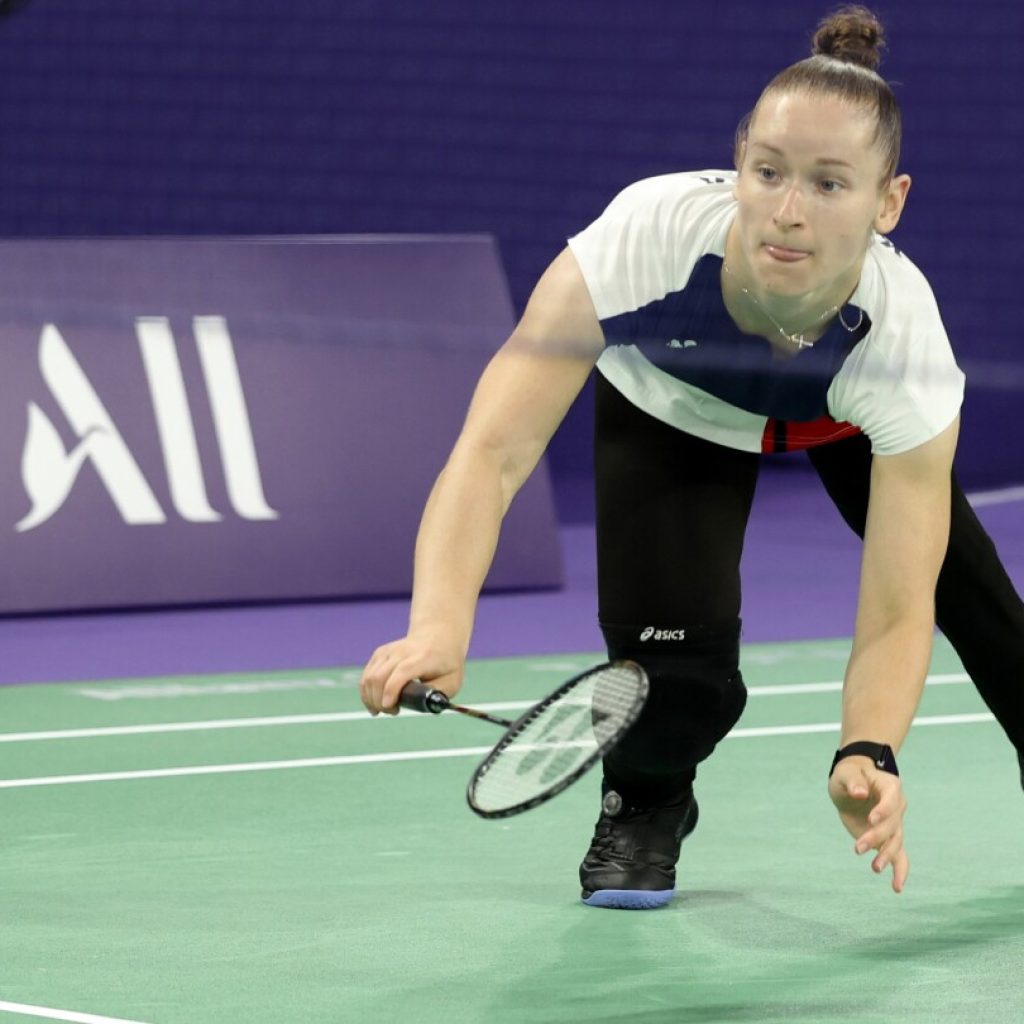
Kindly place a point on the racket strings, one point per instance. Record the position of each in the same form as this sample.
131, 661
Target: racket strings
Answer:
560, 737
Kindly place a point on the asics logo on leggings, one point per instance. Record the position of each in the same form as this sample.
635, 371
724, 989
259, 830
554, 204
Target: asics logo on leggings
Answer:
650, 633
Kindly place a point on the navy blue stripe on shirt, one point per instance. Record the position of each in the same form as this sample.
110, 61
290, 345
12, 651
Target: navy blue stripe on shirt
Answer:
690, 335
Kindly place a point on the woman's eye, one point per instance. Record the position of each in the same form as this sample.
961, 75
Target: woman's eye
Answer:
767, 173
828, 185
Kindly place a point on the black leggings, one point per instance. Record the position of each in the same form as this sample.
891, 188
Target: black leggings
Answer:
671, 514
672, 511
976, 605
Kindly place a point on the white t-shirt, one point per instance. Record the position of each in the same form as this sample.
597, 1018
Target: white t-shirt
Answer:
652, 264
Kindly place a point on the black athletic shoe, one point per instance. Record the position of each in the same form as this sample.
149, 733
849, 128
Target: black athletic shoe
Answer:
631, 863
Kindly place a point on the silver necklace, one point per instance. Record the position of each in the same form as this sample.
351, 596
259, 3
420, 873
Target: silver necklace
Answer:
797, 338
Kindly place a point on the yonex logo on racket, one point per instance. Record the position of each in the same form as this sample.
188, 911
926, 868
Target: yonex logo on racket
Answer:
49, 470
650, 633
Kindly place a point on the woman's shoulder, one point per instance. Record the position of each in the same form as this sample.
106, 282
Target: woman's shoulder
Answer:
680, 215
891, 278
650, 237
900, 384
678, 189
896, 295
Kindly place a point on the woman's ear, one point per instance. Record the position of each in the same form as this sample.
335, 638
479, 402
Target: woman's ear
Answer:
892, 204
738, 154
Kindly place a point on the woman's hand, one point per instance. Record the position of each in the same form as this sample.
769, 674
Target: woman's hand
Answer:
430, 658
871, 807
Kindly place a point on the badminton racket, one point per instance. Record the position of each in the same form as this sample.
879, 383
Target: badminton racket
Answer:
553, 743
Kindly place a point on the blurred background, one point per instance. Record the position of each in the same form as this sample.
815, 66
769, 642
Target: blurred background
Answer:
454, 146
214, 117
513, 125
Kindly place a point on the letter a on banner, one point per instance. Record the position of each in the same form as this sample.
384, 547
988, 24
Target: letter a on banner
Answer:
49, 471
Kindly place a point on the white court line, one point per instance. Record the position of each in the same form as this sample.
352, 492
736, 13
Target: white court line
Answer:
229, 723
795, 730
836, 685
362, 716
999, 497
51, 1014
255, 766
216, 723
414, 755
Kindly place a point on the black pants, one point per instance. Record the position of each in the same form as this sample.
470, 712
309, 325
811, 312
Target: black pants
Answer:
672, 511
976, 605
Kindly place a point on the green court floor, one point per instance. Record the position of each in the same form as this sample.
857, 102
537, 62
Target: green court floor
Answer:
264, 853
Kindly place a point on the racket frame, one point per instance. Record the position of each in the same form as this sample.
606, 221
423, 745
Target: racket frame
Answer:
530, 714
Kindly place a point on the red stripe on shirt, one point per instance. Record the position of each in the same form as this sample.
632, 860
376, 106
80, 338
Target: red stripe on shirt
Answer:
792, 436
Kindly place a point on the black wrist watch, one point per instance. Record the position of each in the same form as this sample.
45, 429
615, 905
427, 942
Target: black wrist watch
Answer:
880, 753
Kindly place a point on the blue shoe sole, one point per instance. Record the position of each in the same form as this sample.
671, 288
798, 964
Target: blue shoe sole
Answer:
629, 899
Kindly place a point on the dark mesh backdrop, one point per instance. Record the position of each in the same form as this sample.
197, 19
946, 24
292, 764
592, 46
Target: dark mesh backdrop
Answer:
250, 116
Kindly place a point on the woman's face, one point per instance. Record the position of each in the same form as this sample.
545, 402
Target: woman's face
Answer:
809, 197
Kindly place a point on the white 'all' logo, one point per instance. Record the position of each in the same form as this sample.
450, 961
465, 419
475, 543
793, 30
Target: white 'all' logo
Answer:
49, 471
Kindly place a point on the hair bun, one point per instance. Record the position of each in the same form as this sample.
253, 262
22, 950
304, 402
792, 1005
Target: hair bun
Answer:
853, 34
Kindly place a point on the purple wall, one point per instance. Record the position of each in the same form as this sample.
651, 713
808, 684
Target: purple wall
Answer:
233, 420
236, 116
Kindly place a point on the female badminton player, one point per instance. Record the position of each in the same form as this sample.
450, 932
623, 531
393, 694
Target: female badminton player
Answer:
732, 313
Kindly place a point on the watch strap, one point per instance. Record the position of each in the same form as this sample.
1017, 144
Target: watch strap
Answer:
880, 753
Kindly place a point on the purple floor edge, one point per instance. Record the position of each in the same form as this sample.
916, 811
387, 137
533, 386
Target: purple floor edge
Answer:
800, 569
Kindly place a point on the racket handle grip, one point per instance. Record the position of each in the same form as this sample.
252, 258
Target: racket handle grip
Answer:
417, 696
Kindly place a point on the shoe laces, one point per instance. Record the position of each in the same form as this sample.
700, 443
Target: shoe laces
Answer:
604, 840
